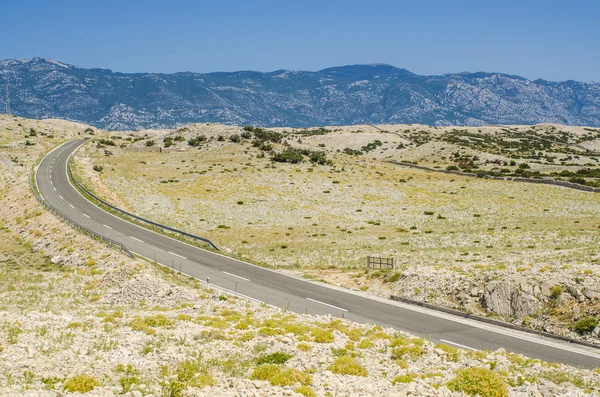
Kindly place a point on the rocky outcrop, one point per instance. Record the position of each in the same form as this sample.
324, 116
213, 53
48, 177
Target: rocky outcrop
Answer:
513, 297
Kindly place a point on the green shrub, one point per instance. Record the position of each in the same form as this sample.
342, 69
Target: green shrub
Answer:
478, 381
585, 325
128, 382
264, 135
322, 335
98, 168
300, 346
279, 377
149, 143
193, 373
81, 383
290, 377
413, 351
451, 352
290, 155
393, 277
265, 372
402, 379
274, 358
339, 352
306, 391
352, 152
346, 365
556, 292
196, 141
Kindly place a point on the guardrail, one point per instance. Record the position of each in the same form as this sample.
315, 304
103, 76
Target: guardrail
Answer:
75, 225
553, 182
487, 320
139, 218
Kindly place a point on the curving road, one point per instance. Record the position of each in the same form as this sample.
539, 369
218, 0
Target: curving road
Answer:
292, 293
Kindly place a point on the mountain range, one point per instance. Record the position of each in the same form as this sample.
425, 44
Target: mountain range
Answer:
354, 94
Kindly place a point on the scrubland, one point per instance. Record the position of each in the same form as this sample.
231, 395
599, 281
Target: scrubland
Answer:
77, 317
495, 248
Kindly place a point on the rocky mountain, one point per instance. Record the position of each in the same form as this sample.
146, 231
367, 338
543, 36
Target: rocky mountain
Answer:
43, 88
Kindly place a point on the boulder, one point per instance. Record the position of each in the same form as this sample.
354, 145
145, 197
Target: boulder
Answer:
514, 296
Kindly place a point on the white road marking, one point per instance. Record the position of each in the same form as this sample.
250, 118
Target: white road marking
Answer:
71, 205
51, 183
172, 253
236, 276
106, 226
54, 188
61, 197
326, 304
459, 345
136, 239
86, 215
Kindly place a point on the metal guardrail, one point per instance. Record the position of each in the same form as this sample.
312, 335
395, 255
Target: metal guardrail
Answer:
553, 182
79, 185
74, 224
487, 320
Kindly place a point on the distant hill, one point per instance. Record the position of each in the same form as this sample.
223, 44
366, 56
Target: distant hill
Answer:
42, 88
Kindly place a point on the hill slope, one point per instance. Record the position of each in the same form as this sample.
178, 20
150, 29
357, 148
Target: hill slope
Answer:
42, 88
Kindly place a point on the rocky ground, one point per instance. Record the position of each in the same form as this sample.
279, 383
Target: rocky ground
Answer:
79, 318
523, 253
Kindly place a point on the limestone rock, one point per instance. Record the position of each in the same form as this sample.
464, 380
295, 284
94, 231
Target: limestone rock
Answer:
513, 296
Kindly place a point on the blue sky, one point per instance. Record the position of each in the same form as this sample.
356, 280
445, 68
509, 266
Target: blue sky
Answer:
554, 40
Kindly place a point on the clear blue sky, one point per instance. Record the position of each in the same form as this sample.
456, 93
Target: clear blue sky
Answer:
555, 40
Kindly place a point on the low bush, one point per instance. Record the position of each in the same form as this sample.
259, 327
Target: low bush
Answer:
274, 358
585, 325
290, 155
290, 377
306, 391
322, 335
81, 383
197, 141
280, 377
352, 152
402, 379
346, 365
477, 381
555, 293
451, 352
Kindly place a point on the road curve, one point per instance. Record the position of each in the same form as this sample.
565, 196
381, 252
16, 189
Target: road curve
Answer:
294, 294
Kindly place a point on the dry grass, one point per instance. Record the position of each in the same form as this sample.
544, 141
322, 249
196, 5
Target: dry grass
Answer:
321, 217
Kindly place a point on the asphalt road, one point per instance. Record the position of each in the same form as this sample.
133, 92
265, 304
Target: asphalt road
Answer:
294, 294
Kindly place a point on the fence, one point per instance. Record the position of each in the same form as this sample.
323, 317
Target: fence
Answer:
375, 261
75, 225
80, 186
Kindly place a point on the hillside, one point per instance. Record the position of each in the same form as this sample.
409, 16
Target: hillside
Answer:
77, 317
526, 253
375, 94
